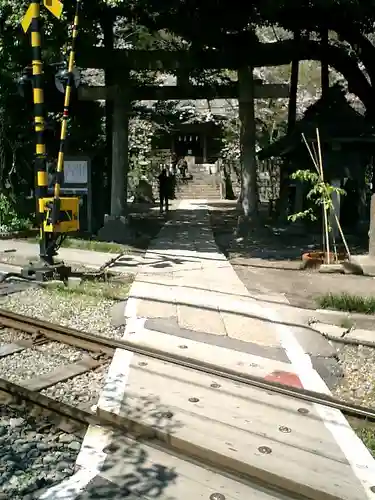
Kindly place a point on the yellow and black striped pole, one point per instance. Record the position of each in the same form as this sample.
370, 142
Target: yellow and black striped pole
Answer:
64, 122
32, 20
38, 96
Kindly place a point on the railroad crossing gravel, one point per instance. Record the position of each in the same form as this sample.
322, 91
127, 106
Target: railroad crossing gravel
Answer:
8, 336
81, 390
38, 361
34, 454
80, 311
358, 384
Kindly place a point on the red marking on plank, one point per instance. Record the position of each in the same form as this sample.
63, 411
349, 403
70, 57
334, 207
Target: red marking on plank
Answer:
285, 378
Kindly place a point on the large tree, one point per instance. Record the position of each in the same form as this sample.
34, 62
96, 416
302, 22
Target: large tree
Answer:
231, 26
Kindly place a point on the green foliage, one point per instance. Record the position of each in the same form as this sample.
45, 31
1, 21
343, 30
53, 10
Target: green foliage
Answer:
320, 193
231, 140
220, 21
10, 220
152, 24
367, 434
305, 214
140, 151
347, 302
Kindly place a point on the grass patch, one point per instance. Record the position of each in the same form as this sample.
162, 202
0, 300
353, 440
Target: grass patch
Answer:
347, 302
101, 289
367, 435
92, 245
95, 246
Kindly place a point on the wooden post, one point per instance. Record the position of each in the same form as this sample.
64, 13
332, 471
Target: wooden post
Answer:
120, 152
249, 195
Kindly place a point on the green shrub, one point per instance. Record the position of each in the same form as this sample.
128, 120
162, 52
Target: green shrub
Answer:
347, 302
10, 219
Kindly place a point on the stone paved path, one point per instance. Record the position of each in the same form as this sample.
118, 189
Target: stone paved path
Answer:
186, 284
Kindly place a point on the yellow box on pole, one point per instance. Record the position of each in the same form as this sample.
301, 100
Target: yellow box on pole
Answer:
68, 220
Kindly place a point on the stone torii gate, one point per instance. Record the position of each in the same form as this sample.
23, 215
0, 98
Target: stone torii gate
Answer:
121, 61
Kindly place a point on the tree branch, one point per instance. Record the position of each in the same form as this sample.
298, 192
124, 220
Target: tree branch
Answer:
361, 45
280, 53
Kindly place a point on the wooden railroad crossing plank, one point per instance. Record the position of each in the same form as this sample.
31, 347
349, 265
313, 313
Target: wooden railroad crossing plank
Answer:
86, 364
236, 428
8, 349
131, 465
233, 357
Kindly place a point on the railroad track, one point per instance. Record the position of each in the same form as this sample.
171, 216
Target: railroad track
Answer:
107, 346
44, 331
40, 343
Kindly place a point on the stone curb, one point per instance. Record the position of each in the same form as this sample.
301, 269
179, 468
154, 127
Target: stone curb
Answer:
338, 318
342, 335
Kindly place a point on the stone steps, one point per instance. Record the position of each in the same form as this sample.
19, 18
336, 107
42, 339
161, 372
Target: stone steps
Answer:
198, 187
201, 197
202, 186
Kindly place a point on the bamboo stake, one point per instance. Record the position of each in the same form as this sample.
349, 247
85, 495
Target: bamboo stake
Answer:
324, 205
309, 150
315, 153
315, 162
333, 208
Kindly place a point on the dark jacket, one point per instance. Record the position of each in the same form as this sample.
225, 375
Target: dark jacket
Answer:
163, 182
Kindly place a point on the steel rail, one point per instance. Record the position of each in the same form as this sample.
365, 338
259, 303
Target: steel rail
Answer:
108, 345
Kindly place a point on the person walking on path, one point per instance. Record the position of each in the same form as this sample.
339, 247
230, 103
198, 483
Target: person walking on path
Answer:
174, 161
164, 189
182, 166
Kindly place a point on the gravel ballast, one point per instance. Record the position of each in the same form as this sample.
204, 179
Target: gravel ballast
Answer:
83, 390
80, 311
37, 361
34, 454
358, 383
9, 336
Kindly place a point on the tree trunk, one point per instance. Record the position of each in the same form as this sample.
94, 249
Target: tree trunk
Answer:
292, 107
363, 47
282, 204
108, 36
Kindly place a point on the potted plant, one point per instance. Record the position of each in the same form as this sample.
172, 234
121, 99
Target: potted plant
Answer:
321, 194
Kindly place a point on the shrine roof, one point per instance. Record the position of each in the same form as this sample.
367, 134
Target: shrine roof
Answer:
336, 120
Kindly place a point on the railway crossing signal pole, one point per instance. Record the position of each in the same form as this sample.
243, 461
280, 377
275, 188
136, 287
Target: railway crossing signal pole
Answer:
56, 216
64, 123
32, 20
